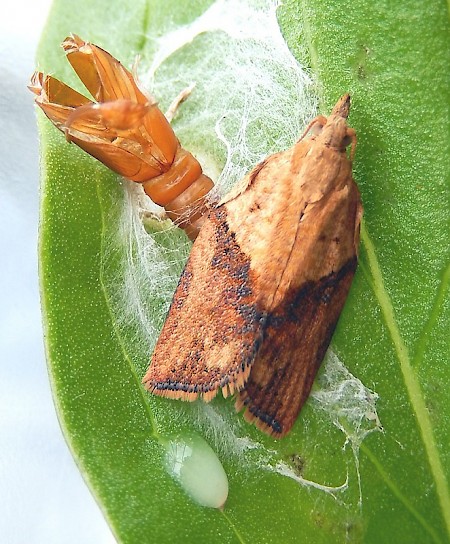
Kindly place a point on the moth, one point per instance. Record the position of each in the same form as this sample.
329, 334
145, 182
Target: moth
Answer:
265, 283
124, 128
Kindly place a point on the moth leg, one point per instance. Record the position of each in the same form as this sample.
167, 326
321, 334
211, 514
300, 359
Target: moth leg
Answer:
170, 113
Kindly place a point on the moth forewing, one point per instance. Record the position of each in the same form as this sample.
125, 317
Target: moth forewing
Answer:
266, 281
299, 327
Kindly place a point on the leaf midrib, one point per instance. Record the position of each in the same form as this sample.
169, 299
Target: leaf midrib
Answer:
412, 384
434, 315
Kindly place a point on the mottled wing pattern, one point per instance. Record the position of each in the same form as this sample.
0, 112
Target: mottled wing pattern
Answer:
216, 321
213, 329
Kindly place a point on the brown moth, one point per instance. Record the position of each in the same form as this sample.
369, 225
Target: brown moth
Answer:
265, 283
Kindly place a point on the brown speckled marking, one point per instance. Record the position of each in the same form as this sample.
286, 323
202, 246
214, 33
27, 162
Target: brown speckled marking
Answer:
222, 324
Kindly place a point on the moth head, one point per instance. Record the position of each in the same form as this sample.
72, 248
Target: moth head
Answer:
342, 107
335, 132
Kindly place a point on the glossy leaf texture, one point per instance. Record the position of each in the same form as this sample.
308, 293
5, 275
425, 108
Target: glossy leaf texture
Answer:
332, 479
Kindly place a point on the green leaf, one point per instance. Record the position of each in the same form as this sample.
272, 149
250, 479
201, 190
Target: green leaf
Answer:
332, 479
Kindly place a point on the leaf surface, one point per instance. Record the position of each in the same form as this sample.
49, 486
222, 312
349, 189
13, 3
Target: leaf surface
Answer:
342, 485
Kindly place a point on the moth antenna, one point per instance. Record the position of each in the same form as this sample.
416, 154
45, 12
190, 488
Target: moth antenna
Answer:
319, 120
351, 133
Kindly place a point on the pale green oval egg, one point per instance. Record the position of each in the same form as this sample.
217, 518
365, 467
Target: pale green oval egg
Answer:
195, 465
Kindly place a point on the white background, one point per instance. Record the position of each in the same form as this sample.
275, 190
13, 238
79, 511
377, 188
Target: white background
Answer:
43, 498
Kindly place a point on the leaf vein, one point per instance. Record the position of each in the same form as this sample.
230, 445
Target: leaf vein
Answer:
435, 311
411, 381
126, 357
400, 496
